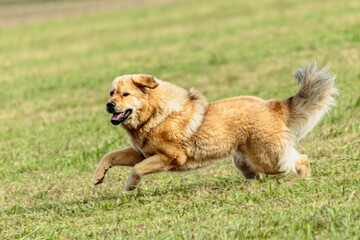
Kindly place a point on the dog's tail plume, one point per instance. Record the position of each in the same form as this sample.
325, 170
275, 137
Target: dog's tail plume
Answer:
313, 100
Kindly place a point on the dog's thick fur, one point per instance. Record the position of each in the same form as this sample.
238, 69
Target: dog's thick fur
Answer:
173, 129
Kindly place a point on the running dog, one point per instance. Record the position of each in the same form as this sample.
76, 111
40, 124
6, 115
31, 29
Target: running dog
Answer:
174, 129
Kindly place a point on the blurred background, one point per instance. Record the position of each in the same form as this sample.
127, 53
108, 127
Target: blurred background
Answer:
57, 60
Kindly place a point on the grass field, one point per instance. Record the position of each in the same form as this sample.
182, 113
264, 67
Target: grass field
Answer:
54, 129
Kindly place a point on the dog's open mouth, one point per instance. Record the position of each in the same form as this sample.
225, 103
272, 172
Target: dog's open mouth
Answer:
118, 118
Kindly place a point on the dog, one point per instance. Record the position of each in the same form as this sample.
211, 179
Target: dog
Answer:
174, 129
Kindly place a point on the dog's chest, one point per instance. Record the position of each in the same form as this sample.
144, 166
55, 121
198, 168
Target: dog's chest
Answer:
143, 145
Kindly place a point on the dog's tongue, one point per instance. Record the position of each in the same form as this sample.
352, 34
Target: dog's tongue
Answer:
116, 116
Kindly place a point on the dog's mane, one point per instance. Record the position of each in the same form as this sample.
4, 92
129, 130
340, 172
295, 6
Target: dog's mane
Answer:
200, 104
169, 103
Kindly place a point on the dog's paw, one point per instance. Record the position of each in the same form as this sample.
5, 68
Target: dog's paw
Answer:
129, 187
132, 183
98, 181
258, 176
99, 176
303, 167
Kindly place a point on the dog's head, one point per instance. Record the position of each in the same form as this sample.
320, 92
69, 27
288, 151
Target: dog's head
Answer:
128, 97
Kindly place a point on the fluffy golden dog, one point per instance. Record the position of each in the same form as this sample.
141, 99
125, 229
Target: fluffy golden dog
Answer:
173, 129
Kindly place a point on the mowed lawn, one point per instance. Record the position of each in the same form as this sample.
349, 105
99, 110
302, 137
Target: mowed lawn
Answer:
54, 80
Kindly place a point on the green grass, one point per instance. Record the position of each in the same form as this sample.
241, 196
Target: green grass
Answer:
54, 129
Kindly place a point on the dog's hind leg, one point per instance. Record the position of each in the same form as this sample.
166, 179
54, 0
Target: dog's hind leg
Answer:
123, 157
244, 166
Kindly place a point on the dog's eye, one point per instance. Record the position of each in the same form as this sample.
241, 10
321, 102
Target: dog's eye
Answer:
111, 93
125, 94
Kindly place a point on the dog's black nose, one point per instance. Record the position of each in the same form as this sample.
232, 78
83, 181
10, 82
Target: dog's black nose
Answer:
110, 107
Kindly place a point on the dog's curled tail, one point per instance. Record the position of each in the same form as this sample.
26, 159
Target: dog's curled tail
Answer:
313, 100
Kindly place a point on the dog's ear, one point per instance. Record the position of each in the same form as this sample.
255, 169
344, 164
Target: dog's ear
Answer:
146, 81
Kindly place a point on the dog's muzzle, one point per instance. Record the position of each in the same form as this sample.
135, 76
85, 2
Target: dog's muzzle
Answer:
110, 107
119, 117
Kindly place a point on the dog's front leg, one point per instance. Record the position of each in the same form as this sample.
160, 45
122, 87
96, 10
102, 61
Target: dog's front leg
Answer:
124, 157
153, 164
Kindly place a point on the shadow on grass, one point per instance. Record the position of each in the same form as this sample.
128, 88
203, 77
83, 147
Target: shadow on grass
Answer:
107, 200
